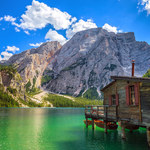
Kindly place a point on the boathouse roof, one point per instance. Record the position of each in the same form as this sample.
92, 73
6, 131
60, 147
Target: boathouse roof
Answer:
126, 78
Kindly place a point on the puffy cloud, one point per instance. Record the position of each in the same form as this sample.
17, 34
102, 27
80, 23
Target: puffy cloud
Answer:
9, 18
12, 20
5, 55
54, 36
110, 28
1, 18
79, 26
38, 15
146, 4
15, 24
35, 45
12, 49
27, 32
17, 30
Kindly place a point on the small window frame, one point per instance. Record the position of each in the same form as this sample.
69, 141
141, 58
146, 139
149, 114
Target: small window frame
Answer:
133, 94
113, 99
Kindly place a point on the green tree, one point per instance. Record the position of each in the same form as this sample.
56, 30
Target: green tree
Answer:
147, 74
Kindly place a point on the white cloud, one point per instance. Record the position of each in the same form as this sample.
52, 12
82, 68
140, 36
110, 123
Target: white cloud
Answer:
12, 49
15, 24
17, 30
5, 55
9, 18
27, 32
38, 15
146, 4
110, 28
54, 36
1, 18
35, 45
79, 26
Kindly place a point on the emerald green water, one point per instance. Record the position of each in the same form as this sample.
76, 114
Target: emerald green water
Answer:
60, 129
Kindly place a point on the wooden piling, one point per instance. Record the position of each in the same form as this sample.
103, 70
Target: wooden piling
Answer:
86, 122
148, 135
105, 126
93, 124
123, 131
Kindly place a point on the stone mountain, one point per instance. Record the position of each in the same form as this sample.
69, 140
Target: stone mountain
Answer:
85, 62
32, 63
92, 56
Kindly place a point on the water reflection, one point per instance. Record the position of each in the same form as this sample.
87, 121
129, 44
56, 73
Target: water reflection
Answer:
60, 129
113, 141
22, 125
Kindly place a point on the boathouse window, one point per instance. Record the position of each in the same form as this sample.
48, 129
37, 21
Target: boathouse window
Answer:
113, 97
132, 94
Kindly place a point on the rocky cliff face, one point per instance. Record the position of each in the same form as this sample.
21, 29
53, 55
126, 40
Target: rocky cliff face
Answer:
12, 82
91, 57
32, 63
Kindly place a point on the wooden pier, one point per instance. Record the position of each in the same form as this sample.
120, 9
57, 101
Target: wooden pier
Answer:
109, 114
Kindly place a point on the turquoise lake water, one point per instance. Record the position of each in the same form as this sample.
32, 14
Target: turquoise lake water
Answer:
60, 129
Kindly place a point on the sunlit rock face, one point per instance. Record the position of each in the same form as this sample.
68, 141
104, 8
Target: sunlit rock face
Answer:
86, 61
14, 81
91, 57
32, 63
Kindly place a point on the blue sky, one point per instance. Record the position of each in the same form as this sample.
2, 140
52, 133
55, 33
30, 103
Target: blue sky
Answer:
28, 23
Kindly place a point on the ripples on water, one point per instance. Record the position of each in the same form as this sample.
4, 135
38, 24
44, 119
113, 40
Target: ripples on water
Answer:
60, 129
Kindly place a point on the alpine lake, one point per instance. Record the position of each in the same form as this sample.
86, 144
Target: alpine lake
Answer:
60, 129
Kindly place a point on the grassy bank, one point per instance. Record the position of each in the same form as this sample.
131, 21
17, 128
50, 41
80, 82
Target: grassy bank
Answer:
30, 103
60, 101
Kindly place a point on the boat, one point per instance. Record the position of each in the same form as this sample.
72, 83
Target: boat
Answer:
110, 125
89, 122
130, 127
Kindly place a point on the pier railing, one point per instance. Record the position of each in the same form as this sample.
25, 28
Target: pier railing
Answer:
104, 112
110, 113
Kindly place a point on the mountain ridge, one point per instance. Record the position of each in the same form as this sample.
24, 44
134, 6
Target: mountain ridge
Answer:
32, 63
84, 63
92, 56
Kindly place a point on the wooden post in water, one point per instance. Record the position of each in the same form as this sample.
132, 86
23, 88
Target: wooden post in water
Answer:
105, 126
123, 130
86, 122
105, 121
148, 135
92, 123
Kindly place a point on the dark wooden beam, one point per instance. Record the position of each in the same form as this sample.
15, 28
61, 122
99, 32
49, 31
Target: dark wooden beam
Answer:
92, 123
148, 135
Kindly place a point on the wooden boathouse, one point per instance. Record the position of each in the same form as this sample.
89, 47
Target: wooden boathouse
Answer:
126, 101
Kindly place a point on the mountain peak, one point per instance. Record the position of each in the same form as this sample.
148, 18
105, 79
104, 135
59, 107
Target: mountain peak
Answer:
90, 57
